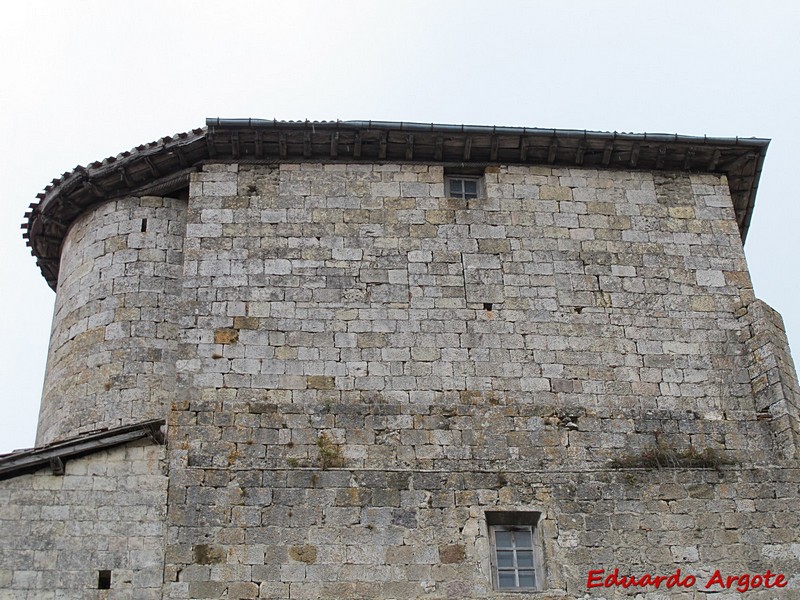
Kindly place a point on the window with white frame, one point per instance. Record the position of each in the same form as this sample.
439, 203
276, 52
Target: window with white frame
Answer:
463, 187
516, 551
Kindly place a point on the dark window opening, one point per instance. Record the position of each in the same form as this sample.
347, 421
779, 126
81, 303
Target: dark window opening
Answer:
104, 580
487, 306
144, 225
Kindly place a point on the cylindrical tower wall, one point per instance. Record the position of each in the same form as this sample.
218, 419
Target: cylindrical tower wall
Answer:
112, 346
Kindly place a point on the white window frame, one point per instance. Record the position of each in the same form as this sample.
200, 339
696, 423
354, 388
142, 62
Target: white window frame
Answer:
462, 179
516, 522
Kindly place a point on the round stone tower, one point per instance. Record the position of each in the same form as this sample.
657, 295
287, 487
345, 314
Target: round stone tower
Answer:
108, 239
111, 359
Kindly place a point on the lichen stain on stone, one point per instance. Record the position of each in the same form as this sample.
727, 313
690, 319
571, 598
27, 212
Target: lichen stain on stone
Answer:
451, 554
306, 554
206, 554
226, 336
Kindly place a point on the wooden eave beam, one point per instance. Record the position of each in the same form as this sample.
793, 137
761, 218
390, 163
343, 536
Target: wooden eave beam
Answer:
634, 155
210, 144
493, 151
40, 261
382, 145
153, 170
712, 164
607, 152
662, 154
410, 146
335, 144
282, 146
307, 144
740, 160
124, 177
580, 152
50, 239
467, 147
357, 145
524, 143
69, 204
235, 144
94, 189
552, 152
181, 155
438, 148
258, 142
687, 160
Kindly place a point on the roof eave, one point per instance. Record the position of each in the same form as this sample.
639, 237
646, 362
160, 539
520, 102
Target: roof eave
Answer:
161, 167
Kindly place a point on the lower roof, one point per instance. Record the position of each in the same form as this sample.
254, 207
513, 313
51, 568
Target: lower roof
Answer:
57, 453
163, 167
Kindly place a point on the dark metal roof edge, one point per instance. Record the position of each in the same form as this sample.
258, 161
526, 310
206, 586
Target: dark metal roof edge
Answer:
487, 129
26, 461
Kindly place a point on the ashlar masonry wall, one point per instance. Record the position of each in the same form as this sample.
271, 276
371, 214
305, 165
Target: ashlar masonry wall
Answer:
367, 366
106, 512
112, 346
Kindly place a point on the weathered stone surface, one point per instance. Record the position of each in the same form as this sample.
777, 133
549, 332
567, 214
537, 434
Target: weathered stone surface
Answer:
106, 512
306, 554
115, 325
226, 336
359, 369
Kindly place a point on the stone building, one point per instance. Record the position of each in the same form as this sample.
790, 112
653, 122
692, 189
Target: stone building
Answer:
389, 360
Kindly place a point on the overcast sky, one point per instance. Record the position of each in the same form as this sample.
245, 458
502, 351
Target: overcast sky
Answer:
85, 80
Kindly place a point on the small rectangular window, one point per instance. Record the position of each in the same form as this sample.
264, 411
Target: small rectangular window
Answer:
516, 553
464, 188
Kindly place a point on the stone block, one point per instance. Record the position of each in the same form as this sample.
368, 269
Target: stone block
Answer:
226, 335
321, 382
306, 554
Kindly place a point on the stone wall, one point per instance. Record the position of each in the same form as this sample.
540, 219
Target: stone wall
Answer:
367, 366
106, 512
111, 360
773, 377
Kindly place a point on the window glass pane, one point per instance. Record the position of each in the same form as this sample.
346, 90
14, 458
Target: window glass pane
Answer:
507, 579
523, 539
503, 539
470, 186
526, 579
525, 558
505, 558
512, 555
468, 196
455, 187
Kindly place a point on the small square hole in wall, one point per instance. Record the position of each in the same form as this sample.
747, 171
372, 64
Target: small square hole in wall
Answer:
104, 579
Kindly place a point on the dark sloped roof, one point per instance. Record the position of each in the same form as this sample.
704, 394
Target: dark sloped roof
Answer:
57, 453
162, 167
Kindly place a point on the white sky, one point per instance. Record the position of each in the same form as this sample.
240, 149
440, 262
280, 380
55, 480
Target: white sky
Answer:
84, 80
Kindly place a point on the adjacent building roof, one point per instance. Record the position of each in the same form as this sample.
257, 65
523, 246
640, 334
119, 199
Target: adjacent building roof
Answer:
56, 454
163, 167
